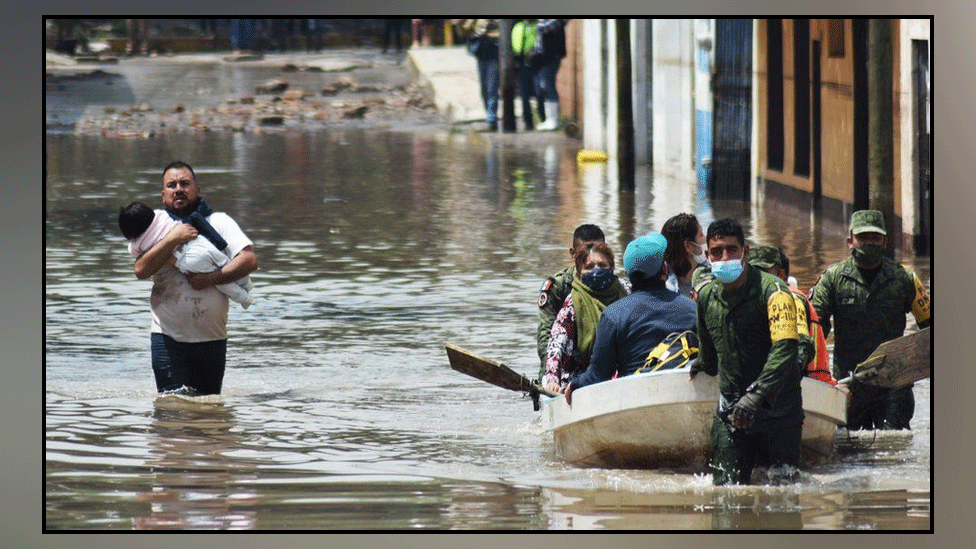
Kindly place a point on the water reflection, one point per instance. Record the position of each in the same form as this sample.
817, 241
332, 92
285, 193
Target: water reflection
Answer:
195, 479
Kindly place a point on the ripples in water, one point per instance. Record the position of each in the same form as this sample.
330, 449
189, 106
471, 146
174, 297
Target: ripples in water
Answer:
339, 410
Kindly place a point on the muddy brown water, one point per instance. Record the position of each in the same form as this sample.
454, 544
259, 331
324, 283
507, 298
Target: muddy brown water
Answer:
339, 409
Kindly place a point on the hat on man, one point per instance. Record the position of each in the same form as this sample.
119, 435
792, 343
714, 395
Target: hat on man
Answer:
764, 257
867, 221
645, 254
701, 277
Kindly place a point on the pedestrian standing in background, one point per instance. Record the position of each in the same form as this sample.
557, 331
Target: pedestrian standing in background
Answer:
483, 44
242, 33
313, 35
393, 28
748, 337
523, 42
868, 297
551, 48
136, 31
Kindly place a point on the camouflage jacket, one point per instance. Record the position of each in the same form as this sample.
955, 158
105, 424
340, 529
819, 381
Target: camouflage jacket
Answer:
552, 294
749, 338
866, 315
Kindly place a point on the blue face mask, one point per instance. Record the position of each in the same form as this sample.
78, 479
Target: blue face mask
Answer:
598, 279
727, 272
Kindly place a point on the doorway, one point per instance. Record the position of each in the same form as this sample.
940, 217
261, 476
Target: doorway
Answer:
732, 110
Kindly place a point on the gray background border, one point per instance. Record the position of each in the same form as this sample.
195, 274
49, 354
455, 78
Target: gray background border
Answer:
22, 301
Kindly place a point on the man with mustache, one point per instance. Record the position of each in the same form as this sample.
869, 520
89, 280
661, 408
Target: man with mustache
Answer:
189, 315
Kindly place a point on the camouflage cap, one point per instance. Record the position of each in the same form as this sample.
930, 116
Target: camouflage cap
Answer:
764, 257
868, 221
701, 277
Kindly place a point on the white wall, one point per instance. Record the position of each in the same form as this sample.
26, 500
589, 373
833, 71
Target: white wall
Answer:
911, 29
673, 96
594, 115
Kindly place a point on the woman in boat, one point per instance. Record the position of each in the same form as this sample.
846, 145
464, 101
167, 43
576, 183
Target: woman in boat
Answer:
571, 339
686, 251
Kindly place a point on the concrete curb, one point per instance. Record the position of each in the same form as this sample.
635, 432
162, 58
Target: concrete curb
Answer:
452, 75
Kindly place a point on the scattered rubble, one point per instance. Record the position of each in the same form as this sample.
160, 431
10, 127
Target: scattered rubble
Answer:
275, 105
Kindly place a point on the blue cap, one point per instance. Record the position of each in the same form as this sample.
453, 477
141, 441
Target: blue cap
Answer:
645, 254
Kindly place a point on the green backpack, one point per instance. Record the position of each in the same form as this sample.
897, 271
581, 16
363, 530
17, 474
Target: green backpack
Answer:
523, 37
674, 352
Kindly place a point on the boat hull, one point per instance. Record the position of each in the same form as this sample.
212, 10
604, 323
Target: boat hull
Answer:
663, 419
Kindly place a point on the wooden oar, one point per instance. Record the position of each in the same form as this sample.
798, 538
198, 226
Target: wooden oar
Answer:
492, 371
897, 363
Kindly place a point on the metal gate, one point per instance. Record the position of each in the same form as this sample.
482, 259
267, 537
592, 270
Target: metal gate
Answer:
732, 111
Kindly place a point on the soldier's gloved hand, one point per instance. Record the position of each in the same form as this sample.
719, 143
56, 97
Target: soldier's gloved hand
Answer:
744, 411
694, 368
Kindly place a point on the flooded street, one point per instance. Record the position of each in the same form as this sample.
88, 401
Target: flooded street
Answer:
378, 243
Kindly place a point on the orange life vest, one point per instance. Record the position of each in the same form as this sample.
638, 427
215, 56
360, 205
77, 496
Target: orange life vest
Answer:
818, 368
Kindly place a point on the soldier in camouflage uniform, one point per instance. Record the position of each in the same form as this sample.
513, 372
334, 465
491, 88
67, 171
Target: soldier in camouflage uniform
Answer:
868, 296
747, 327
554, 290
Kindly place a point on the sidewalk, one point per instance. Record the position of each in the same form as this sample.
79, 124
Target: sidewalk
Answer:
452, 73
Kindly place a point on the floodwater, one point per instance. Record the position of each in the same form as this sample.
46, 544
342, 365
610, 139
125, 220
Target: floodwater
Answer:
339, 409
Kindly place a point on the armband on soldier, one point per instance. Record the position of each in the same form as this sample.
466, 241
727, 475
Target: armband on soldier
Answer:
921, 304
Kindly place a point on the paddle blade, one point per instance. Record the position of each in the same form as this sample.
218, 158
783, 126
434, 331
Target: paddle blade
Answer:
899, 362
489, 370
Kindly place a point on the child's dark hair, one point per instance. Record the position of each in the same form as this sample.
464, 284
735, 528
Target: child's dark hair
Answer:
134, 219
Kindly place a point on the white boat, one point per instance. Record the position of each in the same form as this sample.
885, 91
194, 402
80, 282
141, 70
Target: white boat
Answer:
662, 419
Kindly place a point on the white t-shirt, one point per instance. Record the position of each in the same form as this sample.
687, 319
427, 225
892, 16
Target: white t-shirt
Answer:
188, 315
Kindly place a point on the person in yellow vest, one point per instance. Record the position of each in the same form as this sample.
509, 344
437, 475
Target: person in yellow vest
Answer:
523, 41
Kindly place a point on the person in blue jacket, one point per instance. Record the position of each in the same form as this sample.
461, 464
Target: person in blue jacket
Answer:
630, 327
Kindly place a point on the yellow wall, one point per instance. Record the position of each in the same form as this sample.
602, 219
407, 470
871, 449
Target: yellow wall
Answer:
837, 114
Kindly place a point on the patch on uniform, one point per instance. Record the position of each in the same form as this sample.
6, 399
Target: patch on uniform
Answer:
802, 326
546, 285
543, 299
782, 316
921, 306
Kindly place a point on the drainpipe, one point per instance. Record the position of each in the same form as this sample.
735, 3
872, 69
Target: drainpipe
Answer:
625, 109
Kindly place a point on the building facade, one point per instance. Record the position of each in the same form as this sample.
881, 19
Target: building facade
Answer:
812, 112
753, 109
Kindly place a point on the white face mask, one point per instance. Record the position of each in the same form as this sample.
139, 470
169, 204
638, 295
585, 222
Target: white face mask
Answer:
700, 258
